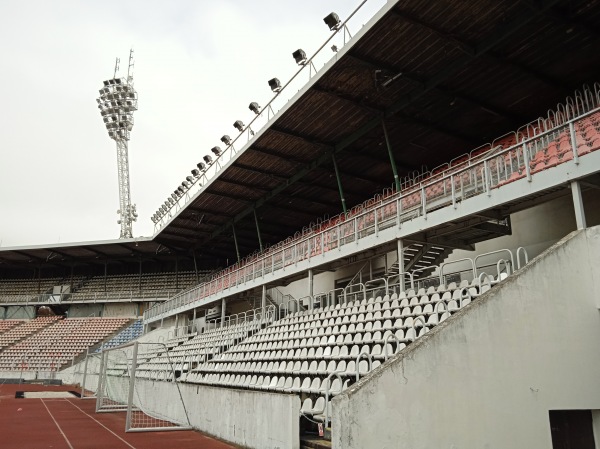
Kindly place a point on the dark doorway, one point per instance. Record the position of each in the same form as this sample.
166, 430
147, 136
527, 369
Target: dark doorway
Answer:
572, 429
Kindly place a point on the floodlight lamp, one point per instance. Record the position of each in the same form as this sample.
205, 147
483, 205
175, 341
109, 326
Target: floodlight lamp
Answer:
106, 83
195, 172
189, 179
201, 166
180, 190
332, 21
239, 125
185, 184
171, 201
217, 150
254, 107
300, 56
275, 85
207, 159
226, 139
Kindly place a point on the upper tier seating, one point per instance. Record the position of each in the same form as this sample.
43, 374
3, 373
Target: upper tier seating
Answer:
536, 147
134, 286
22, 290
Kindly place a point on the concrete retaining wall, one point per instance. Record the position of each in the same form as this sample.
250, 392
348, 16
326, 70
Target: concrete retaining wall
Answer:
487, 377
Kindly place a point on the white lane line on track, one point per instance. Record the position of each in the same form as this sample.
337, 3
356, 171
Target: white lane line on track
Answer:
90, 416
59, 429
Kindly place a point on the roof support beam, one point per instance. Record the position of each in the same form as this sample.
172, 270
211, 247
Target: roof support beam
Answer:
260, 245
451, 69
235, 241
391, 155
339, 183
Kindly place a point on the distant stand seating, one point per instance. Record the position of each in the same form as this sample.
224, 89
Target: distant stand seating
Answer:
46, 344
128, 334
134, 286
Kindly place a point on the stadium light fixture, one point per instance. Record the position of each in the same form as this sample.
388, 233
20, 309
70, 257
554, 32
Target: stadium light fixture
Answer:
217, 150
332, 21
300, 56
201, 166
181, 190
174, 196
254, 107
226, 139
207, 159
275, 85
189, 179
186, 185
195, 172
117, 117
239, 125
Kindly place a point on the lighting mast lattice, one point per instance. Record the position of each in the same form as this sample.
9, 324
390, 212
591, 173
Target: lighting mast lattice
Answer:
117, 103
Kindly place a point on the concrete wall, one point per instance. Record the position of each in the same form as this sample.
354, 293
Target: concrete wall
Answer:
85, 310
248, 418
116, 309
487, 377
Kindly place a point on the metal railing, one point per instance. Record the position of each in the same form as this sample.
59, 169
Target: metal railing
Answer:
473, 178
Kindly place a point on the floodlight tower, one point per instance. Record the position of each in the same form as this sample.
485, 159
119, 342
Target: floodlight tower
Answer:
117, 103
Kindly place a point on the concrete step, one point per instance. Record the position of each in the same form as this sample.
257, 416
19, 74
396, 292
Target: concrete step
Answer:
314, 442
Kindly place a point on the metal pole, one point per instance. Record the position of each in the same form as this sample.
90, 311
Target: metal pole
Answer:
131, 387
235, 241
260, 245
311, 282
85, 366
99, 394
223, 308
195, 265
401, 264
263, 303
578, 205
339, 183
391, 155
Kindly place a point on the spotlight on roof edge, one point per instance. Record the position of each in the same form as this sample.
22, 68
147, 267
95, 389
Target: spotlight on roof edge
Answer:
195, 172
201, 166
332, 21
300, 56
254, 107
207, 159
189, 179
275, 85
226, 140
239, 125
217, 150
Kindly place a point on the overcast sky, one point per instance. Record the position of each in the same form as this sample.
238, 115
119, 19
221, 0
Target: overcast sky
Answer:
198, 64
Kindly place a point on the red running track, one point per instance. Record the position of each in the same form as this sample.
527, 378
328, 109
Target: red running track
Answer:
73, 424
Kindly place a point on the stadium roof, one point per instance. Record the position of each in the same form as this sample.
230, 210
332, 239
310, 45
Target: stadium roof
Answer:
445, 77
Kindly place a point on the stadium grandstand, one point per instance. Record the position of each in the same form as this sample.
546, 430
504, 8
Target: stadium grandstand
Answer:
406, 254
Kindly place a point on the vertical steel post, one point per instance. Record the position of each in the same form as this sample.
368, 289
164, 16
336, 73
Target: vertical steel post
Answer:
235, 242
311, 283
391, 155
260, 245
99, 393
223, 309
339, 183
578, 205
401, 264
131, 387
263, 302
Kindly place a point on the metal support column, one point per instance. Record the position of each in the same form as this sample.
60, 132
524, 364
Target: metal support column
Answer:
311, 284
578, 205
339, 183
195, 265
401, 264
391, 155
235, 242
263, 302
260, 245
223, 309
